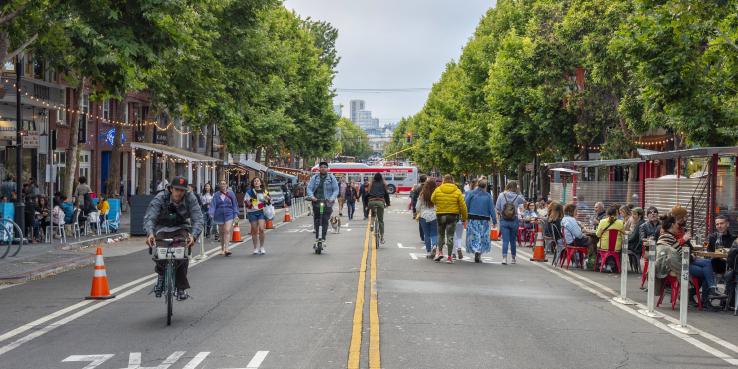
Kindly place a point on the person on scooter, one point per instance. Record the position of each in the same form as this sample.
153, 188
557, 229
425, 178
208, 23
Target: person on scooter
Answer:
323, 187
176, 214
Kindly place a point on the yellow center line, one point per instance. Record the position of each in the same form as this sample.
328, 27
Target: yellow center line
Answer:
354, 358
374, 357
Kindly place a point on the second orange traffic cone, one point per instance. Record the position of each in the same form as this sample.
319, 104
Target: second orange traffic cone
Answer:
539, 251
236, 237
287, 215
269, 224
100, 287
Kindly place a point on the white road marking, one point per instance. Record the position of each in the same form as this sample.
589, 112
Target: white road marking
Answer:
256, 361
412, 255
405, 247
485, 259
689, 339
134, 361
147, 281
199, 358
95, 360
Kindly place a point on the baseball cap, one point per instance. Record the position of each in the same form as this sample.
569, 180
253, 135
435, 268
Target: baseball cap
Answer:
179, 182
322, 163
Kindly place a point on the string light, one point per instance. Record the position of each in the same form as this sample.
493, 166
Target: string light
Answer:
91, 116
655, 142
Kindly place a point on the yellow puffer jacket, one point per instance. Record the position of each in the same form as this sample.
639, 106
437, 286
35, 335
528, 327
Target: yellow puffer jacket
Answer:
449, 200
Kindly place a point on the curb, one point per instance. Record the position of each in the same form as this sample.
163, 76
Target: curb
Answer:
94, 241
49, 270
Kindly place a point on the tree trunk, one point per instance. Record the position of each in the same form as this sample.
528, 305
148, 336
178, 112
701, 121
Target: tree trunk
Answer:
632, 170
113, 184
4, 45
70, 173
258, 155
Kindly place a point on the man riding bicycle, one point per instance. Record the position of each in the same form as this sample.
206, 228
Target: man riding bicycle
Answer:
174, 214
323, 187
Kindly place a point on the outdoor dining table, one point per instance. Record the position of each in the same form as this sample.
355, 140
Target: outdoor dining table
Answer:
712, 255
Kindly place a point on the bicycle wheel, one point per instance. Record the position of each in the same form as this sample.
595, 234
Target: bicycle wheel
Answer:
169, 283
376, 232
6, 240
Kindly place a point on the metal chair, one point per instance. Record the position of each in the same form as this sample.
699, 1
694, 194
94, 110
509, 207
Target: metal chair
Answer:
93, 218
76, 231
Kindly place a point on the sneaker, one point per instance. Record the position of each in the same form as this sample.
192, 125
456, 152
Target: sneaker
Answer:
255, 252
261, 251
381, 240
461, 255
159, 287
182, 295
439, 256
504, 259
513, 259
433, 252
428, 255
450, 260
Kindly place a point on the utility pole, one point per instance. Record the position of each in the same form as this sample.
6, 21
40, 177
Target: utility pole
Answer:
20, 206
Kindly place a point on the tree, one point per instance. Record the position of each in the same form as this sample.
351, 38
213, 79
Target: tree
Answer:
353, 141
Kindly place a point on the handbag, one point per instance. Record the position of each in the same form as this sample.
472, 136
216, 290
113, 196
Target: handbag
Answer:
269, 211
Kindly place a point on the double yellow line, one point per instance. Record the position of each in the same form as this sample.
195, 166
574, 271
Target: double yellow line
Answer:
354, 358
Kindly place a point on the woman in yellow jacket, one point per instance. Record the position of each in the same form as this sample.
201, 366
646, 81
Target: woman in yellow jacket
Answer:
608, 223
449, 206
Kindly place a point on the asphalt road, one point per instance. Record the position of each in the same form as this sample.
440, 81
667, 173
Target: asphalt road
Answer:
294, 309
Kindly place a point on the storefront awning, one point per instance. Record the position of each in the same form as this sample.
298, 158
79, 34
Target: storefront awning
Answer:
693, 153
173, 151
594, 163
282, 174
253, 165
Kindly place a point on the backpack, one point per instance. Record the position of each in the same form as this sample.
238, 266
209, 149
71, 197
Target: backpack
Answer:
509, 212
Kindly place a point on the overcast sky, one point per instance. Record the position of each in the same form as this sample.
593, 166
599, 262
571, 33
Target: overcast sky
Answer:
389, 44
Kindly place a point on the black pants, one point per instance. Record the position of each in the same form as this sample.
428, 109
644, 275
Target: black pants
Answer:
365, 204
318, 219
180, 266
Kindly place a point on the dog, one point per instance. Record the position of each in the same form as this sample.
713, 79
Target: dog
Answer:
335, 224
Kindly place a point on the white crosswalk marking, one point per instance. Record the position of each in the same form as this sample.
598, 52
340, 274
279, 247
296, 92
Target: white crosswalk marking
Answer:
134, 361
199, 358
95, 360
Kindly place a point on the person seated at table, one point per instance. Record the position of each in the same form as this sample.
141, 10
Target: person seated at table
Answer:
553, 222
607, 224
669, 261
624, 214
599, 214
635, 242
571, 229
529, 215
103, 207
542, 209
68, 207
652, 227
721, 238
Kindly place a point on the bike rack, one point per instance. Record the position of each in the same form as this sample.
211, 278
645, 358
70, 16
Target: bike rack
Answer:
11, 237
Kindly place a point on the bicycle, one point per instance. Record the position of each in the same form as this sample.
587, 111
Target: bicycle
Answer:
8, 230
318, 246
171, 254
375, 226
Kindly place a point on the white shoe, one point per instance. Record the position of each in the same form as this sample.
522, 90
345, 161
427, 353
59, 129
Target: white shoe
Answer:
504, 259
513, 259
256, 252
261, 251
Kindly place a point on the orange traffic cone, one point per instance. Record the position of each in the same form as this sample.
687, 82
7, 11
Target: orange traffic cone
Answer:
100, 287
539, 251
287, 215
236, 236
269, 224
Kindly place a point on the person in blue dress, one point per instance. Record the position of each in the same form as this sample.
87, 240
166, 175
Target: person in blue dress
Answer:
481, 213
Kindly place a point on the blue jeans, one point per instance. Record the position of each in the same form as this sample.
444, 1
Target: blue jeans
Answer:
702, 269
509, 233
430, 230
351, 206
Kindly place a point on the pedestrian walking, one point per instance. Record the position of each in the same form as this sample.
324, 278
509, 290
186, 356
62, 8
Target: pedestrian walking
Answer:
481, 210
82, 189
414, 193
363, 192
224, 210
207, 199
256, 199
450, 206
352, 194
341, 195
426, 216
507, 207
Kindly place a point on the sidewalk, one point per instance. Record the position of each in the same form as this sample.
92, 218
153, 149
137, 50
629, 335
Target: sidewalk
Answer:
41, 260
38, 261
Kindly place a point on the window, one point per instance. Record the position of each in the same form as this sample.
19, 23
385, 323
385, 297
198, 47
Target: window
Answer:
86, 103
60, 158
106, 109
84, 164
60, 116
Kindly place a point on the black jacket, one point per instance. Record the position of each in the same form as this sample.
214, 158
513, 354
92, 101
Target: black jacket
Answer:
724, 241
377, 190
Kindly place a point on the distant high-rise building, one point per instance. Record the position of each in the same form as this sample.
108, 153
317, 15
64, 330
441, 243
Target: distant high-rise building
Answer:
365, 121
338, 109
356, 106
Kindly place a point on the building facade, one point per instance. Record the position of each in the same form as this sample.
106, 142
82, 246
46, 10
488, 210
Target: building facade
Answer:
355, 107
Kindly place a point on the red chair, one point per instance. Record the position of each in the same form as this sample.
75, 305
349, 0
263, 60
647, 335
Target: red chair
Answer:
612, 243
675, 285
572, 250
